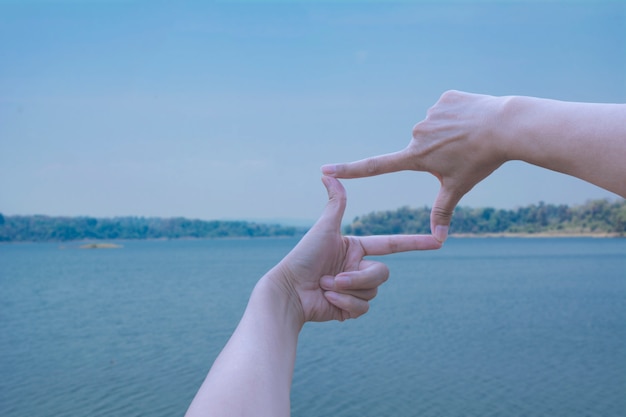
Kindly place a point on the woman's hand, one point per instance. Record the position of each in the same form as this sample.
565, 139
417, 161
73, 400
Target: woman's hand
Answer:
323, 278
455, 143
465, 137
326, 275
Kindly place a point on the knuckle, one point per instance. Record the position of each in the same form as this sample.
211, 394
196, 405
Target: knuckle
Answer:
417, 129
372, 166
368, 295
394, 244
344, 170
362, 310
366, 308
442, 213
449, 95
385, 273
342, 200
357, 308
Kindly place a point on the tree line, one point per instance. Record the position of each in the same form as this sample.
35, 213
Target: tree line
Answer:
40, 228
593, 217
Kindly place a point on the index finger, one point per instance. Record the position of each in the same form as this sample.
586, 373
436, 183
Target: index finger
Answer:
387, 244
368, 167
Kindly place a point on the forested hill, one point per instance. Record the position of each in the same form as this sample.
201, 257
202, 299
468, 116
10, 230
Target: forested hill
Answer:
594, 217
45, 228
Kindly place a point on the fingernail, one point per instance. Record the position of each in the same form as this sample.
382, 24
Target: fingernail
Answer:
441, 233
329, 169
331, 296
327, 282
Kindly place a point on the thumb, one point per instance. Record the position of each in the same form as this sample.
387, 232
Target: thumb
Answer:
369, 167
441, 213
336, 206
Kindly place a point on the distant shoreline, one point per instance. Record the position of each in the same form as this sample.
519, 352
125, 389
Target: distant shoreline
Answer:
536, 235
596, 218
107, 243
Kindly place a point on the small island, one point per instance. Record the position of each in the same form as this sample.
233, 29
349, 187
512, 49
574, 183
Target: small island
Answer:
101, 246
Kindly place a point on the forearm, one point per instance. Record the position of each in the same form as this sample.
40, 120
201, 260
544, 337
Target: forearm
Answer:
253, 373
585, 140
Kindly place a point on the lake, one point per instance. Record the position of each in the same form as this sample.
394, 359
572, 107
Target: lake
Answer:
483, 327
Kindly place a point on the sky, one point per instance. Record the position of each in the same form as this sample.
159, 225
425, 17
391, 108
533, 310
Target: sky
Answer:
227, 110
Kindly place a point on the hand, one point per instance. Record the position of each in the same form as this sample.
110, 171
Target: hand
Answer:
326, 274
456, 143
323, 278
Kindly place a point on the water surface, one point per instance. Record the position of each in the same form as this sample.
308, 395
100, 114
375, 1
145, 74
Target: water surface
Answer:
512, 327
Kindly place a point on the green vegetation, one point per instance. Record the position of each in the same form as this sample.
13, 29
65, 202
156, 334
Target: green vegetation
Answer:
595, 217
45, 228
599, 217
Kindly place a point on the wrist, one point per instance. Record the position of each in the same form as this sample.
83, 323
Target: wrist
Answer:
281, 296
504, 120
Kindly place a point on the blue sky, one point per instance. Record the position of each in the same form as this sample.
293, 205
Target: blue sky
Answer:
226, 110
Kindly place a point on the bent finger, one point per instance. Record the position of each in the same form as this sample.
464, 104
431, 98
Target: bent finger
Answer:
351, 307
376, 165
370, 274
365, 294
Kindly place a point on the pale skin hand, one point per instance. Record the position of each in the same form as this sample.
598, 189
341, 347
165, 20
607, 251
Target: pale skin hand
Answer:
325, 277
465, 137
